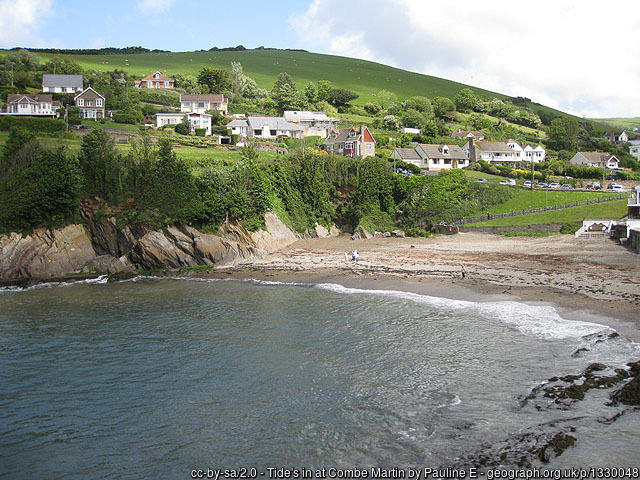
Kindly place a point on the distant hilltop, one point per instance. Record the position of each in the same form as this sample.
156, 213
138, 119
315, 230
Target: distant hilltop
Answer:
135, 50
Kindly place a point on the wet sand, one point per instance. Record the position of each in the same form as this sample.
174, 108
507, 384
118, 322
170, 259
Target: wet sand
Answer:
588, 279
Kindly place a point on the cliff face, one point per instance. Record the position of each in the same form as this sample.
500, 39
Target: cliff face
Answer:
104, 247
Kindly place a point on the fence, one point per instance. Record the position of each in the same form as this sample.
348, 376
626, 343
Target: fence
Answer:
482, 218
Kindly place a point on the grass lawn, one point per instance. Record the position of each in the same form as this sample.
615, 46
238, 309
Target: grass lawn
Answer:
607, 210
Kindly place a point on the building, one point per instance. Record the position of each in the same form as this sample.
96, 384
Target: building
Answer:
62, 83
155, 80
634, 149
528, 153
596, 160
432, 157
464, 134
313, 123
91, 104
196, 120
353, 142
617, 138
496, 153
202, 103
272, 128
31, 105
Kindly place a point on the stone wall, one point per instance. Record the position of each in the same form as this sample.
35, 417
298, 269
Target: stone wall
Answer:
542, 228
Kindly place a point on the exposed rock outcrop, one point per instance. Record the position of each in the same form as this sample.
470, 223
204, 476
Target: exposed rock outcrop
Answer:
104, 247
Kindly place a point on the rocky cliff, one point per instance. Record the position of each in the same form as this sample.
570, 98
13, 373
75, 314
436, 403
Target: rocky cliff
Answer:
102, 246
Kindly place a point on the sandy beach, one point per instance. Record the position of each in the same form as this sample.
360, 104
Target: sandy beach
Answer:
590, 279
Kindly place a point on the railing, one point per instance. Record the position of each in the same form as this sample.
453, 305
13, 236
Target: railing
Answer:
483, 218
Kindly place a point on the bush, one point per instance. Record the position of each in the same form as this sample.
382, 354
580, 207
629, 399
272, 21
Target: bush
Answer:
182, 128
35, 124
201, 132
127, 117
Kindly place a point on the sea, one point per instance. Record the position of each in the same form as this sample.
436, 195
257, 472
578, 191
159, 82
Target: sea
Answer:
188, 378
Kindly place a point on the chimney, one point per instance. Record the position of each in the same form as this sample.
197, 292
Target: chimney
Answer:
472, 153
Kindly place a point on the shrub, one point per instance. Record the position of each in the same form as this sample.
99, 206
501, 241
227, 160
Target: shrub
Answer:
201, 132
35, 124
127, 117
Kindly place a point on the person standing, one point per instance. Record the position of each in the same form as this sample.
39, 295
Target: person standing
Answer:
462, 271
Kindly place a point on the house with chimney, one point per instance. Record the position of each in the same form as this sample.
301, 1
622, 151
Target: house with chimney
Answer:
617, 138
433, 157
351, 142
313, 123
496, 153
31, 105
465, 134
155, 80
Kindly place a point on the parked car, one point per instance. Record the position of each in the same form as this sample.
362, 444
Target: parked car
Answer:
554, 185
612, 177
527, 184
542, 185
566, 186
594, 186
616, 187
508, 181
481, 180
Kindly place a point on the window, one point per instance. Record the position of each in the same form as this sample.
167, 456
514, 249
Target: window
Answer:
200, 104
150, 84
166, 84
89, 103
81, 102
348, 145
98, 102
186, 104
258, 132
273, 133
447, 161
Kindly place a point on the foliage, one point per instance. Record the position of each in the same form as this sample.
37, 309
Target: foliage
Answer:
131, 118
183, 128
563, 134
101, 165
465, 100
216, 80
421, 104
339, 97
38, 186
33, 124
62, 66
442, 105
385, 98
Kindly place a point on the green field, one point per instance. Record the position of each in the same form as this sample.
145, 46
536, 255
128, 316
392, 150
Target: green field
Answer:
607, 210
621, 123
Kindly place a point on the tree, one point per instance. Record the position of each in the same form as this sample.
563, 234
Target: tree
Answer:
465, 100
101, 164
442, 105
184, 127
238, 80
413, 119
282, 80
563, 134
62, 66
324, 86
339, 97
421, 104
289, 98
311, 92
385, 98
216, 80
390, 122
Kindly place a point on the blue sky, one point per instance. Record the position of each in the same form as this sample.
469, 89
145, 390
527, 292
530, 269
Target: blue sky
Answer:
578, 56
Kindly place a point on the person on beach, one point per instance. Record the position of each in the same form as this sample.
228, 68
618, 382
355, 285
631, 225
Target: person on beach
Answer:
462, 271
488, 216
357, 255
346, 257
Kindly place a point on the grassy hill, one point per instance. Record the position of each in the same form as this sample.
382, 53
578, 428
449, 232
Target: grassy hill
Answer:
620, 123
364, 77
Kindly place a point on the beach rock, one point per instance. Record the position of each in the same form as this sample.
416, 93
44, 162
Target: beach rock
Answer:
45, 253
398, 233
277, 235
109, 264
377, 234
361, 233
629, 394
386, 235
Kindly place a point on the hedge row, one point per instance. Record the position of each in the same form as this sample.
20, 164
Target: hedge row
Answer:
34, 124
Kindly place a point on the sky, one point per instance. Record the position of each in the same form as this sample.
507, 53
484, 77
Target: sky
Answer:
578, 56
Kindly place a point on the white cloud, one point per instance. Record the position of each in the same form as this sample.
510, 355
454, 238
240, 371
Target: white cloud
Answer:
576, 56
19, 20
154, 6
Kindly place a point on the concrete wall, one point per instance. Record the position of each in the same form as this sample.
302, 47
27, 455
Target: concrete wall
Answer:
634, 239
545, 228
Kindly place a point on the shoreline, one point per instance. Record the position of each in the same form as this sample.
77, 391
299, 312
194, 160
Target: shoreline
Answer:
595, 281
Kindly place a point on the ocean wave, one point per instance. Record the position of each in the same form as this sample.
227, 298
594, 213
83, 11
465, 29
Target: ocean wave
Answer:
100, 280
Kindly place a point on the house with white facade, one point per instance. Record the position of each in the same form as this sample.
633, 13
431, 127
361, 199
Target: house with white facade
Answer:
313, 123
432, 157
238, 127
196, 120
528, 153
596, 160
272, 128
201, 103
617, 138
90, 103
465, 134
31, 105
62, 83
496, 153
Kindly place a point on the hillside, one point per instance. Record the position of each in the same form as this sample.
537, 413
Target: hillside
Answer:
620, 123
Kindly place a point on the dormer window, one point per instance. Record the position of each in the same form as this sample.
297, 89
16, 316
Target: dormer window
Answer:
445, 150
156, 75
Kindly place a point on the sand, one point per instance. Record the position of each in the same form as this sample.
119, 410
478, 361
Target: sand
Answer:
592, 279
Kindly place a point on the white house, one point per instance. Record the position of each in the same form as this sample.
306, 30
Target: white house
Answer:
431, 157
238, 127
538, 154
61, 83
595, 159
196, 120
410, 130
496, 153
272, 127
312, 122
31, 105
202, 103
515, 146
617, 138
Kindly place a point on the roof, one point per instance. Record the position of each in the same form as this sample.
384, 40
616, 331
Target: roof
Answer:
500, 147
18, 98
596, 157
237, 123
344, 135
307, 115
464, 133
430, 150
50, 80
182, 114
161, 77
275, 123
406, 154
211, 97
86, 90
